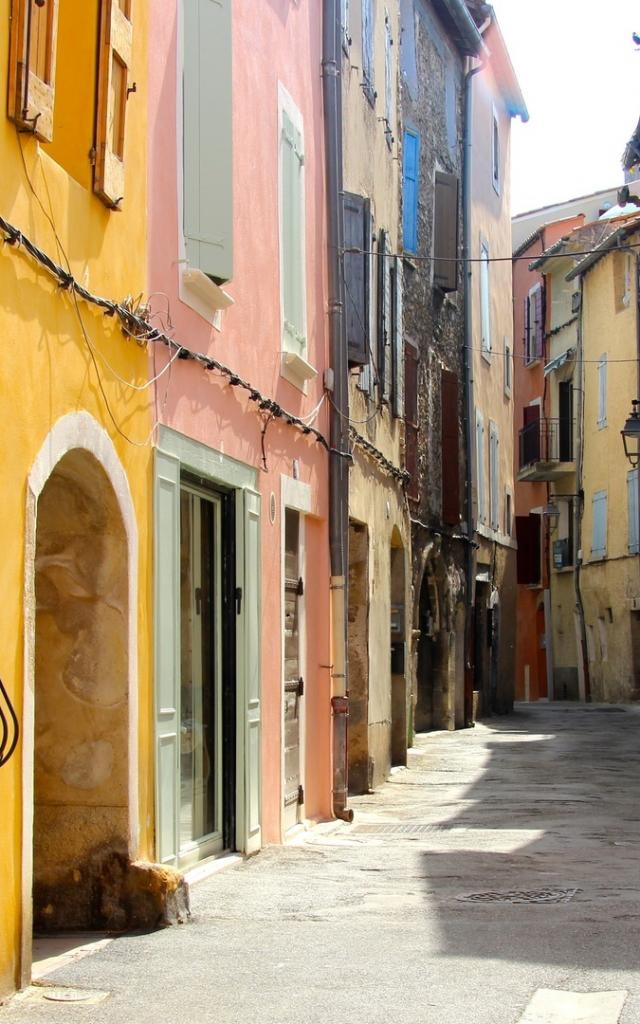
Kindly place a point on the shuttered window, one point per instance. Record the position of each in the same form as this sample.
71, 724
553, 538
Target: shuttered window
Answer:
388, 79
410, 165
602, 391
114, 64
480, 472
367, 50
445, 232
208, 172
485, 299
495, 151
32, 66
411, 416
450, 448
292, 262
397, 353
344, 21
356, 214
534, 324
633, 511
494, 476
384, 316
599, 534
528, 536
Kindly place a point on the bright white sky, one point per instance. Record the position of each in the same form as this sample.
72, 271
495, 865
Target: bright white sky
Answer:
579, 71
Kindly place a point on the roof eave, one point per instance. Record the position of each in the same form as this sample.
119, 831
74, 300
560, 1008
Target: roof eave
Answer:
465, 33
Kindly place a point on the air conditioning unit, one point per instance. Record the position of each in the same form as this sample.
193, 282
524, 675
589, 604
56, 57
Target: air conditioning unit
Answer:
562, 554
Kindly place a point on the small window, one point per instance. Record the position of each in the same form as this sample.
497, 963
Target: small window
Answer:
604, 647
368, 50
602, 392
534, 325
495, 151
292, 254
485, 301
599, 532
508, 368
508, 514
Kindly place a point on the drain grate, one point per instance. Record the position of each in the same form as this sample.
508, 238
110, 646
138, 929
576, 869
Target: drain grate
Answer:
392, 828
523, 896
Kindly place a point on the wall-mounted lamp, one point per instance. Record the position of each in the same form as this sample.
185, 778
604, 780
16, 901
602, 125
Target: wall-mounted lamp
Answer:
552, 513
631, 434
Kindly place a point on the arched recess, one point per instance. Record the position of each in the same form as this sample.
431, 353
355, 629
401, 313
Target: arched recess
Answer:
397, 590
80, 637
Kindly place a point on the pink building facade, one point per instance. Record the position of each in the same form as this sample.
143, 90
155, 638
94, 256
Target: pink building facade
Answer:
237, 274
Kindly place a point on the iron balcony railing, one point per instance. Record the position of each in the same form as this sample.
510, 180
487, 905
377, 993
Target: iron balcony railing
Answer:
546, 440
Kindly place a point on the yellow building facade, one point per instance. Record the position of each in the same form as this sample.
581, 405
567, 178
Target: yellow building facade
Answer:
77, 792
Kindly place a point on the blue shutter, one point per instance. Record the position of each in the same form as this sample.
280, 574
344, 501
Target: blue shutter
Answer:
410, 158
634, 511
208, 174
599, 535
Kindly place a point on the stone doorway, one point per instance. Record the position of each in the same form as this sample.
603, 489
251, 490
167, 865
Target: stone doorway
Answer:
358, 659
430, 658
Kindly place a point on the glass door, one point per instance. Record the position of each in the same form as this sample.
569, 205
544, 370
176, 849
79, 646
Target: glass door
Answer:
201, 804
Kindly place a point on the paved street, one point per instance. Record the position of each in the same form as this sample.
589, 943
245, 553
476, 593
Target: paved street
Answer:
520, 873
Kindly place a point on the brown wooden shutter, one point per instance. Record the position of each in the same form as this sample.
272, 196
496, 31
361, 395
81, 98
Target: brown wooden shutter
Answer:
527, 332
528, 537
384, 316
445, 232
32, 66
538, 344
114, 65
356, 278
450, 448
411, 416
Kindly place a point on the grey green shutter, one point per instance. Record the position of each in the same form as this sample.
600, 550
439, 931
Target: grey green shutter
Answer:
291, 228
384, 316
367, 48
445, 232
208, 173
397, 354
485, 299
599, 536
167, 653
602, 392
249, 748
494, 476
356, 217
634, 511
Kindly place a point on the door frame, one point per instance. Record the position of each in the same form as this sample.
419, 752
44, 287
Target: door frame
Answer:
73, 431
296, 496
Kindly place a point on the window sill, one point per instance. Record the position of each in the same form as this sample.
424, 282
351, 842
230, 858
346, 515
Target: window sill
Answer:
486, 355
297, 370
533, 362
203, 295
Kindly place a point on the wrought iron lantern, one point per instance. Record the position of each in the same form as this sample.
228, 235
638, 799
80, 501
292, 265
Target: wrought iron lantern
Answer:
631, 434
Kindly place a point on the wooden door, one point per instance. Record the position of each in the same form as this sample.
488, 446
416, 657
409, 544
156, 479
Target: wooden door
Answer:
293, 683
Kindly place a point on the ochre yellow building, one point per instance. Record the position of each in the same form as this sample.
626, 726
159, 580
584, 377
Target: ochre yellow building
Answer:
76, 794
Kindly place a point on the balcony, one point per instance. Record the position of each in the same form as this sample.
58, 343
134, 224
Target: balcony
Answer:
546, 450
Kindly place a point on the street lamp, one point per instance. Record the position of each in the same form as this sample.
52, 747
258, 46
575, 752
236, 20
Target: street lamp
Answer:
552, 513
631, 434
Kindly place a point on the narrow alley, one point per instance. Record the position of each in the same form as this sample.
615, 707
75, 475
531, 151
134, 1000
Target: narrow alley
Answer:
503, 860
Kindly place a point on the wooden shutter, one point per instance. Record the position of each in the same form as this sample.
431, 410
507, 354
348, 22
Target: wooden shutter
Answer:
494, 476
528, 538
384, 316
291, 233
367, 47
114, 64
249, 653
633, 511
445, 232
32, 66
208, 167
397, 353
485, 299
411, 416
450, 448
565, 425
602, 391
599, 534
410, 165
480, 476
538, 313
527, 332
167, 653
356, 216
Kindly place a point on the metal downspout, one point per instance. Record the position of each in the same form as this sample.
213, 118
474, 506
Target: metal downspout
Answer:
584, 653
468, 383
339, 408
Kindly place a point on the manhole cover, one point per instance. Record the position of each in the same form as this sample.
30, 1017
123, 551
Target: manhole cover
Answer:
67, 995
523, 896
396, 829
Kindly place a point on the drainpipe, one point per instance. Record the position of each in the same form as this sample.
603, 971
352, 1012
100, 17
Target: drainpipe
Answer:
468, 383
582, 629
339, 407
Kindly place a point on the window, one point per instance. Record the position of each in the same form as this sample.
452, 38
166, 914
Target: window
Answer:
508, 513
344, 21
495, 151
508, 367
450, 448
599, 535
207, 138
115, 55
411, 416
494, 476
485, 301
634, 512
385, 316
534, 324
481, 498
357, 217
602, 392
445, 232
397, 354
410, 165
622, 278
388, 80
528, 536
367, 50
31, 93
292, 252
